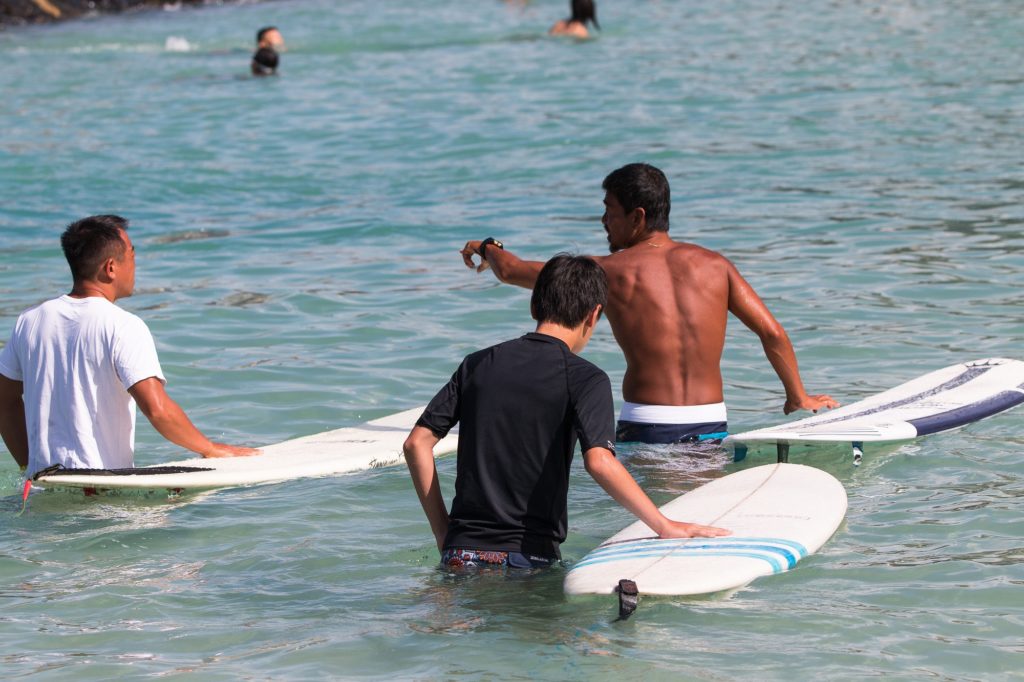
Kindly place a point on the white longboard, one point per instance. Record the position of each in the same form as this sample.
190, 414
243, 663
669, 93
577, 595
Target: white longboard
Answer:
941, 400
376, 443
778, 514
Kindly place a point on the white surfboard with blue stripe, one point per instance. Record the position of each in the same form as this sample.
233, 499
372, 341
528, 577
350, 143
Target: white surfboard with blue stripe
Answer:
778, 513
938, 401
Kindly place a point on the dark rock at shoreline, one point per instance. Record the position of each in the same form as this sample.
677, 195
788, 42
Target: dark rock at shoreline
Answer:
42, 11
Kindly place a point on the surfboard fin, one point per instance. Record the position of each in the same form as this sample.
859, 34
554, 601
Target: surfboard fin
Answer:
24, 496
629, 597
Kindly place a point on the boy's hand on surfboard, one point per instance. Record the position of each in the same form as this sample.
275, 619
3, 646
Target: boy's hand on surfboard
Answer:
224, 450
679, 529
810, 402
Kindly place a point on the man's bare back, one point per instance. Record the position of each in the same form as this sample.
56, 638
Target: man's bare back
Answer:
667, 306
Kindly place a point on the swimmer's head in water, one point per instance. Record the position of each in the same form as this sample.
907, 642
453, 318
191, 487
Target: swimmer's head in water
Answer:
644, 186
584, 11
269, 36
264, 62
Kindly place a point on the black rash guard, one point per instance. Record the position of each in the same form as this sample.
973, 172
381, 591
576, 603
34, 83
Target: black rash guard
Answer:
520, 406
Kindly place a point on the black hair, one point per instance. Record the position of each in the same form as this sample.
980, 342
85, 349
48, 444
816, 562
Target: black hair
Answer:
89, 242
264, 31
568, 289
584, 11
642, 185
264, 61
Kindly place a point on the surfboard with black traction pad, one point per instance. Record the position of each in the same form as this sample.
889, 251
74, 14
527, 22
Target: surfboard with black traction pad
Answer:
939, 401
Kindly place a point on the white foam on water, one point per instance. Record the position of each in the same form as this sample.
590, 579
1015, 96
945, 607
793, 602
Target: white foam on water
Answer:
177, 44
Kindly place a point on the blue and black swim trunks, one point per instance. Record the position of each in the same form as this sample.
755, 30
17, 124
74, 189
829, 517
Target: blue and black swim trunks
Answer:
660, 424
458, 558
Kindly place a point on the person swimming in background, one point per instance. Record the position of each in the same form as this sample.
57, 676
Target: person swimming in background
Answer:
270, 36
583, 11
264, 62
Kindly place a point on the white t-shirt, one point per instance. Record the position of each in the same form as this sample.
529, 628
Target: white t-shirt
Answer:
77, 358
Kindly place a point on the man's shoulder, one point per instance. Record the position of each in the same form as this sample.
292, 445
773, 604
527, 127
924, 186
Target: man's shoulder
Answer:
104, 314
694, 252
102, 308
34, 316
643, 254
43, 307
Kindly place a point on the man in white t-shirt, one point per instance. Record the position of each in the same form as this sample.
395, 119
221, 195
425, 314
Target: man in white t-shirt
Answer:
76, 367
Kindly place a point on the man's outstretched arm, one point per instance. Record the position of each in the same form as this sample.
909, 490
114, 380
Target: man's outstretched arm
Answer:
745, 304
508, 267
172, 423
620, 485
12, 420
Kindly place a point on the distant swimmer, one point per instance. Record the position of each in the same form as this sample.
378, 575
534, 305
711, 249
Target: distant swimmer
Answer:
668, 306
76, 367
264, 62
583, 11
269, 36
269, 46
521, 407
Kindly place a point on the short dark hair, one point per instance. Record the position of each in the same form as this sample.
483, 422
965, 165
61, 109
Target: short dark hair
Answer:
642, 185
568, 289
584, 11
264, 61
89, 242
264, 31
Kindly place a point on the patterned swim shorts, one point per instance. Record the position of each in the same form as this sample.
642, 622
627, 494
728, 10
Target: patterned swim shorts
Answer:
459, 558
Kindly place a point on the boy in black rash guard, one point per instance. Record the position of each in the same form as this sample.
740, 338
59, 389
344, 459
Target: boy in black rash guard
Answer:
521, 406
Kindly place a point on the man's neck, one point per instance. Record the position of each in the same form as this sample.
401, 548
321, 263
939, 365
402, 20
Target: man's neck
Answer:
651, 239
92, 290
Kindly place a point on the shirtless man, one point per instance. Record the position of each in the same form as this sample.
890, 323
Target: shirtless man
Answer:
668, 306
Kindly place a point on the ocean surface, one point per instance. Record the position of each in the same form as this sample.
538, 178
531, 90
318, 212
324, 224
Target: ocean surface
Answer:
862, 164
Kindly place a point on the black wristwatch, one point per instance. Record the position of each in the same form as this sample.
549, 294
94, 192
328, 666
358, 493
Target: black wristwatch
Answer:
490, 241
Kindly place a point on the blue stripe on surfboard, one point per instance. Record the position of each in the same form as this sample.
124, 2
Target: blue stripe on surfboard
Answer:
967, 414
769, 550
656, 546
779, 563
967, 375
792, 554
668, 545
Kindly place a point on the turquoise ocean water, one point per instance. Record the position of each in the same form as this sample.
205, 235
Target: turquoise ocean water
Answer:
297, 251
